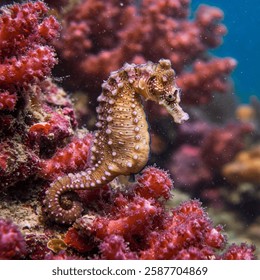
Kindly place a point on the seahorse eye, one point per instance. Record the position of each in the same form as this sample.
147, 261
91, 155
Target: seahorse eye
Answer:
170, 97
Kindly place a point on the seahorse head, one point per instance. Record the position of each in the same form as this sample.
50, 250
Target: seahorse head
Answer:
161, 88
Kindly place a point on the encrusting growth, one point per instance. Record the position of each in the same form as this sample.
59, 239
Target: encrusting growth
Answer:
121, 143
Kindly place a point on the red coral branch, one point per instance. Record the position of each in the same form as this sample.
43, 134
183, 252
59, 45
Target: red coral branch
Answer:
23, 26
12, 243
154, 183
35, 64
239, 252
129, 226
149, 31
71, 158
36, 116
24, 30
205, 78
7, 100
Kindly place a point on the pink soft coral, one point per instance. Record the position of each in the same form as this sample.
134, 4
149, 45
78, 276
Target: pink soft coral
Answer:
24, 32
37, 117
134, 224
12, 243
99, 36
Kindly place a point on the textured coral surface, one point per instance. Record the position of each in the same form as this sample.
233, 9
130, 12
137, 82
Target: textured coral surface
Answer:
99, 36
134, 224
37, 118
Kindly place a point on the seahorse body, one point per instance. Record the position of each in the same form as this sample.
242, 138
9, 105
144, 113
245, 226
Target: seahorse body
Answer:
121, 142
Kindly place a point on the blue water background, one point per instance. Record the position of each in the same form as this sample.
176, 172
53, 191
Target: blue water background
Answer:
242, 18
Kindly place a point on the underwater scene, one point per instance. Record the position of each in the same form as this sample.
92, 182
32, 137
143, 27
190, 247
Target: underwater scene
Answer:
129, 130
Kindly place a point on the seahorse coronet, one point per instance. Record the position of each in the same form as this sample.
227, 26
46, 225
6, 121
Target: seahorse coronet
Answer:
121, 141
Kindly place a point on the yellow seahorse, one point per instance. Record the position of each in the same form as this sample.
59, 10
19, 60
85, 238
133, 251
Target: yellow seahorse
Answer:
121, 142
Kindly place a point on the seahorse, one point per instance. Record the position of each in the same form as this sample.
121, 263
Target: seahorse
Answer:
121, 141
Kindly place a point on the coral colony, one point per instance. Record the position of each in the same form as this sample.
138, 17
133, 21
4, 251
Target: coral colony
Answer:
98, 37
67, 178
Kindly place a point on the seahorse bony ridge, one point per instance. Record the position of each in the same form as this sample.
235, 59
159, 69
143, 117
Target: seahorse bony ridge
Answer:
121, 142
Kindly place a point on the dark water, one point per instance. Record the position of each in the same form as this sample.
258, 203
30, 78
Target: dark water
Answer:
242, 18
